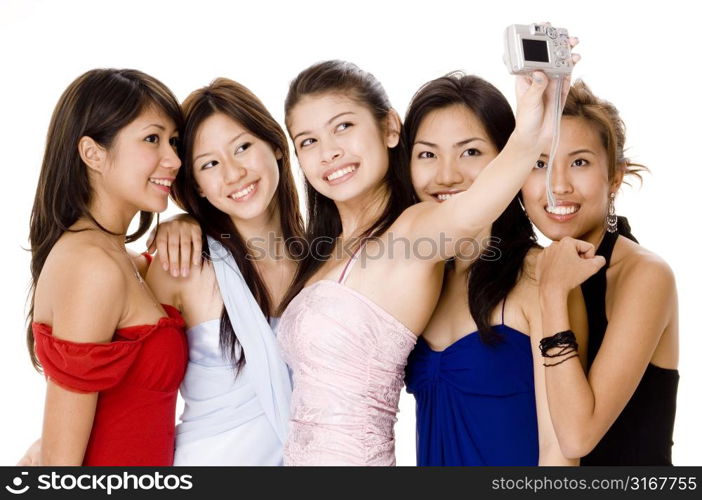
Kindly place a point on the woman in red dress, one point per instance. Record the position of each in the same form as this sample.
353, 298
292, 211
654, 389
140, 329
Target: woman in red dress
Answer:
112, 355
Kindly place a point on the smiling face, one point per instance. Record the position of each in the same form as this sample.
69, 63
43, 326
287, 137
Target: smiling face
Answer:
236, 171
341, 148
142, 162
450, 150
580, 185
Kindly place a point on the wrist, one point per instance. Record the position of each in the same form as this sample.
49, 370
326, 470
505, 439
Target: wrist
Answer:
553, 299
525, 145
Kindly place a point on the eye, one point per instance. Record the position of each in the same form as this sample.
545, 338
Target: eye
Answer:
153, 138
540, 164
580, 162
174, 142
242, 148
426, 155
306, 142
471, 152
343, 126
209, 164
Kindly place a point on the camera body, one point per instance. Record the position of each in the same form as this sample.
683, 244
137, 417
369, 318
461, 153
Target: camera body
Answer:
532, 47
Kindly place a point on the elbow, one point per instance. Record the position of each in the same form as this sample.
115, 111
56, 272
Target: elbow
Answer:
576, 445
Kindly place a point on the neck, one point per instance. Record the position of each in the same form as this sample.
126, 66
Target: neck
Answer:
359, 214
263, 234
595, 236
481, 241
113, 218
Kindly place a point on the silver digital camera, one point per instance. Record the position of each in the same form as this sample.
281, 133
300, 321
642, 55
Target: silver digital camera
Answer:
532, 47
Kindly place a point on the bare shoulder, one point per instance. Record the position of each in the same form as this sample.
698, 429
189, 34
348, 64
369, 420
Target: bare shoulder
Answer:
637, 266
78, 262
407, 219
81, 291
172, 290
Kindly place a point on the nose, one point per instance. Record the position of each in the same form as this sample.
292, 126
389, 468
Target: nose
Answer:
331, 151
233, 172
170, 158
448, 173
560, 178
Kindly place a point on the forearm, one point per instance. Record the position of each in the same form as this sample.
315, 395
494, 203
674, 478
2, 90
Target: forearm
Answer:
570, 398
495, 187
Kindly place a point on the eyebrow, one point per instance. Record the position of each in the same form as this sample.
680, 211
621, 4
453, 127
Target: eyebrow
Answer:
579, 151
328, 123
209, 153
157, 125
573, 153
456, 145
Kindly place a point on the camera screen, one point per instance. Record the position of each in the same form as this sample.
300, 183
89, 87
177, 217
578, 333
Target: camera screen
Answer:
535, 50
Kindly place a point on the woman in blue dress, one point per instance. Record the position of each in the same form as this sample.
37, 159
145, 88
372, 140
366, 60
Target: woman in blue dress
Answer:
478, 383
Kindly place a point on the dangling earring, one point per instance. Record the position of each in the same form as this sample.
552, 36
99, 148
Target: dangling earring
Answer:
611, 224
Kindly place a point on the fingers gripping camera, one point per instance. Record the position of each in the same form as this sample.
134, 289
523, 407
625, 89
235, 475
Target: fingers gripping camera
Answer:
539, 47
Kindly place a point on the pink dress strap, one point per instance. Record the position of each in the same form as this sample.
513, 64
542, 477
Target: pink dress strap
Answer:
351, 262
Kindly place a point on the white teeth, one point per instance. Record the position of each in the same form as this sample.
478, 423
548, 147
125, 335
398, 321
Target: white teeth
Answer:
243, 192
562, 209
161, 182
340, 173
446, 196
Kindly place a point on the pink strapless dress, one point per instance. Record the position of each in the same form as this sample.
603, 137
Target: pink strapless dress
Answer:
348, 357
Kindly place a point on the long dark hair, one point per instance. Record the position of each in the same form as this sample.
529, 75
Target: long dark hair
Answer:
241, 105
98, 104
323, 220
490, 279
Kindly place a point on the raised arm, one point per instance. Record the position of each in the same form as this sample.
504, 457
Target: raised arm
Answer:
87, 296
465, 215
583, 407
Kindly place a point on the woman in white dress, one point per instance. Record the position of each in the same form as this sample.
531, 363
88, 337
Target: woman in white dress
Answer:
237, 184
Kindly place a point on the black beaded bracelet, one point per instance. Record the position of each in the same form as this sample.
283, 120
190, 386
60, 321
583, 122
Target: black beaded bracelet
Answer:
575, 355
565, 340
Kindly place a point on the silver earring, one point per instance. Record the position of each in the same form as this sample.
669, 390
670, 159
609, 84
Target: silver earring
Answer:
611, 216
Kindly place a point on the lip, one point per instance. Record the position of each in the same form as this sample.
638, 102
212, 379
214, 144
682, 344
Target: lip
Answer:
344, 177
249, 195
436, 194
564, 217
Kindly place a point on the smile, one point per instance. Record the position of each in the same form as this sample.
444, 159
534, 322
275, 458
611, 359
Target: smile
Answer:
563, 211
445, 195
340, 174
244, 193
162, 184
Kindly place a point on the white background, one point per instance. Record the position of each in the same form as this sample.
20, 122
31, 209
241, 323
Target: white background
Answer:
640, 57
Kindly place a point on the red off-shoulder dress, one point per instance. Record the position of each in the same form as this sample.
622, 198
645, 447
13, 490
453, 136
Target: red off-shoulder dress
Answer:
137, 376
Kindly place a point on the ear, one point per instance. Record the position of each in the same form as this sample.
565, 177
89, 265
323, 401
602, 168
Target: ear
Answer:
92, 154
393, 126
278, 154
616, 181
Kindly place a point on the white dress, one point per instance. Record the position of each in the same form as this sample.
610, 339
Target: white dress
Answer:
223, 422
234, 418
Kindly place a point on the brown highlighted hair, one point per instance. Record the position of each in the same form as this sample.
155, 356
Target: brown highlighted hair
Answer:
241, 105
98, 104
582, 103
323, 221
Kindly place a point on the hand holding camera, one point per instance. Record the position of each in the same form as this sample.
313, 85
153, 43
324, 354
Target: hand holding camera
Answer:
540, 55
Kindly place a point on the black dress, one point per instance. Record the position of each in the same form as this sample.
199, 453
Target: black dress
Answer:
643, 432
